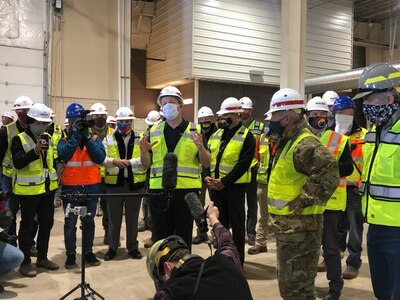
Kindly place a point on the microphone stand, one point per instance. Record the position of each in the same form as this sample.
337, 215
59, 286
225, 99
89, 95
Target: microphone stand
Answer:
81, 211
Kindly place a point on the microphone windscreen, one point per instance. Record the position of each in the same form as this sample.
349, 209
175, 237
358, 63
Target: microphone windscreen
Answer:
170, 173
195, 207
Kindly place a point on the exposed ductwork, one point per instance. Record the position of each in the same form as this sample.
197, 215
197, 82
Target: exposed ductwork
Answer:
336, 81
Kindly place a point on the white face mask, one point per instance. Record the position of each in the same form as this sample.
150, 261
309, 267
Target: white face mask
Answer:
170, 111
343, 123
37, 129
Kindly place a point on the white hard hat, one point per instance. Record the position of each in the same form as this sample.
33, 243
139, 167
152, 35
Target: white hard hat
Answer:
286, 99
22, 102
153, 117
205, 111
246, 103
170, 91
98, 109
52, 115
111, 120
317, 103
39, 112
66, 122
230, 105
330, 97
268, 118
124, 113
8, 115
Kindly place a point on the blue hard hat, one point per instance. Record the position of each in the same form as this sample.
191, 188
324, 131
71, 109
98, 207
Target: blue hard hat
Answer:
74, 110
343, 102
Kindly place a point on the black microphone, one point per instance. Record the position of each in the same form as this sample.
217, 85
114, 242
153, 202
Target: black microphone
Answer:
170, 173
199, 214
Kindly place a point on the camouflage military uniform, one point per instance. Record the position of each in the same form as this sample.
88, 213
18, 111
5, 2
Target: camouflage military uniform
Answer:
299, 236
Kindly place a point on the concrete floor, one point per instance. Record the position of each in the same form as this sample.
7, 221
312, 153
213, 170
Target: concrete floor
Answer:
125, 278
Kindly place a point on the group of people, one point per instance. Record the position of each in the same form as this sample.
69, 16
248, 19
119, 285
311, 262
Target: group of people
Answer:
316, 174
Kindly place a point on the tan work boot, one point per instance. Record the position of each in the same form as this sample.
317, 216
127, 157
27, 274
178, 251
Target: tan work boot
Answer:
350, 273
28, 270
257, 249
321, 266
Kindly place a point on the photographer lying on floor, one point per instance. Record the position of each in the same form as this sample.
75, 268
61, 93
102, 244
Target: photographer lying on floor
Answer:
178, 274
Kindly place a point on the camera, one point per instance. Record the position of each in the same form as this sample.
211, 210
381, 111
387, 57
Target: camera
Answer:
6, 238
44, 139
5, 196
86, 123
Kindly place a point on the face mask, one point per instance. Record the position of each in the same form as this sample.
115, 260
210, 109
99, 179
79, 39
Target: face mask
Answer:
275, 127
100, 122
318, 122
226, 123
170, 111
37, 129
205, 125
343, 123
124, 128
379, 114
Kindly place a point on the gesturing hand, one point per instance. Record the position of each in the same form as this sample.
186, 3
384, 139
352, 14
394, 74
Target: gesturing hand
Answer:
144, 144
197, 139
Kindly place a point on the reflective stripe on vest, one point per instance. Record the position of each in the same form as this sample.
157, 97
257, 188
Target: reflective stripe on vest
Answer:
80, 169
285, 183
7, 164
188, 169
264, 154
111, 173
381, 194
335, 143
356, 143
231, 153
31, 180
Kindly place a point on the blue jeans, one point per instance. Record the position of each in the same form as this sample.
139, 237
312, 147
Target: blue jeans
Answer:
383, 243
88, 221
355, 226
252, 206
10, 258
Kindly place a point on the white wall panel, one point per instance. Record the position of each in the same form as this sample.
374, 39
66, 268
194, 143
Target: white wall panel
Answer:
329, 37
232, 37
170, 40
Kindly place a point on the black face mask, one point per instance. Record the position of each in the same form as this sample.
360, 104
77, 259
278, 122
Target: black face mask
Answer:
226, 124
318, 122
275, 127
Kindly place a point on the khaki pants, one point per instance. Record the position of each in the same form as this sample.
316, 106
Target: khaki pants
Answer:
262, 226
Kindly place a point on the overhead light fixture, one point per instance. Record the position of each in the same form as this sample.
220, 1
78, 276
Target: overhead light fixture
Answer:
188, 101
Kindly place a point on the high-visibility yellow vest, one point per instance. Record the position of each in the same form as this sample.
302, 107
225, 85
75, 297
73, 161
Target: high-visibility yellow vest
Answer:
256, 128
111, 173
380, 187
264, 154
188, 170
356, 141
335, 143
231, 153
285, 183
7, 164
31, 179
55, 138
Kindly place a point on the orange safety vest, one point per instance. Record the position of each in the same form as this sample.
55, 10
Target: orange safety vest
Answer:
356, 143
81, 169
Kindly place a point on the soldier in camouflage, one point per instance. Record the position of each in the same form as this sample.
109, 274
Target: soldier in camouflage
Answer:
303, 177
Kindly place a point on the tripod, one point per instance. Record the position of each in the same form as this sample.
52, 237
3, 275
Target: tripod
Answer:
86, 291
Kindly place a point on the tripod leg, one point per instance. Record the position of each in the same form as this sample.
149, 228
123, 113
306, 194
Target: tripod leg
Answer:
70, 292
92, 292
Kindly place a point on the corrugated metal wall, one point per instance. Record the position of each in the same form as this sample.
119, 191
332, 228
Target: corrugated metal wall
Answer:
329, 37
232, 37
170, 40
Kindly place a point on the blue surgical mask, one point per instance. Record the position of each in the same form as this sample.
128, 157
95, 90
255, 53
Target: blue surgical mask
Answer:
170, 111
